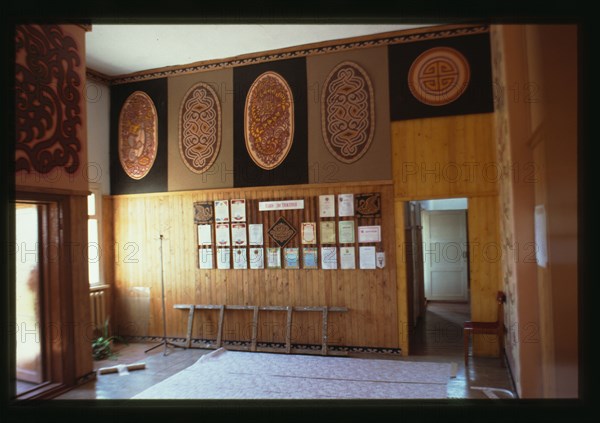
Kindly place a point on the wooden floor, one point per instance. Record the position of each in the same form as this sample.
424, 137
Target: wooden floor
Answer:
437, 338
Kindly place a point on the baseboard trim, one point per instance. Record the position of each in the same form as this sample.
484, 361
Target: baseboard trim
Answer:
298, 348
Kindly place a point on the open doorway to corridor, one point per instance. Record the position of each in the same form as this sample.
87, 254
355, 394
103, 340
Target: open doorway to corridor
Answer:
438, 274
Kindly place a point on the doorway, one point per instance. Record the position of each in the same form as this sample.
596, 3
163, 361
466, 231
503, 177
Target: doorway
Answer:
42, 340
438, 273
445, 254
29, 333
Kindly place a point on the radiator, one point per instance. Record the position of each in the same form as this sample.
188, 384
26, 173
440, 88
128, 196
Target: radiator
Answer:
98, 308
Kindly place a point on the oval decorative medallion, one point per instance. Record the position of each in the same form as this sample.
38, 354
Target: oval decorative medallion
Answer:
138, 135
439, 76
200, 128
269, 120
348, 112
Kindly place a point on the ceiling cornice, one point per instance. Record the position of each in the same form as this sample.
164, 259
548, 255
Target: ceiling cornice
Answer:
365, 41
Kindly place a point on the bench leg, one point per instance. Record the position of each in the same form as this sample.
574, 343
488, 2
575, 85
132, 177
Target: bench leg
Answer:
254, 329
188, 341
325, 324
288, 330
220, 326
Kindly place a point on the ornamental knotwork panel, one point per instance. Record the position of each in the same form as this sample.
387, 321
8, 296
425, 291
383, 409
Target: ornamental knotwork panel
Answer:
367, 205
200, 128
203, 212
269, 120
138, 135
47, 99
282, 232
439, 76
348, 112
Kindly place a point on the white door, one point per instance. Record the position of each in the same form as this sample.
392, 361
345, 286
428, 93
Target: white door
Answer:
445, 255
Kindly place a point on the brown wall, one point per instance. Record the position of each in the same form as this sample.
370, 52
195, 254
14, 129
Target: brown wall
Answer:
447, 157
556, 153
516, 197
323, 167
58, 177
370, 295
220, 173
539, 108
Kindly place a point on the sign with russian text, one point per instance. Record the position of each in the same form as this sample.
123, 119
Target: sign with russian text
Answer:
280, 205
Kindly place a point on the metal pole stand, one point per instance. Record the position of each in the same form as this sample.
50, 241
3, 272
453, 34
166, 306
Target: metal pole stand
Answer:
164, 307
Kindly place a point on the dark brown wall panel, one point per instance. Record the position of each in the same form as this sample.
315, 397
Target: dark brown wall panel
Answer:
294, 168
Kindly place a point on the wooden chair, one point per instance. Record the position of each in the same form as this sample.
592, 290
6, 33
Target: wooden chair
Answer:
491, 328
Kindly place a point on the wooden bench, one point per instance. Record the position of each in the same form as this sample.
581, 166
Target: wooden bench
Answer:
324, 350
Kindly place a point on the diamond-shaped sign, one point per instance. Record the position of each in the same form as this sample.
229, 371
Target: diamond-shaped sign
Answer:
282, 232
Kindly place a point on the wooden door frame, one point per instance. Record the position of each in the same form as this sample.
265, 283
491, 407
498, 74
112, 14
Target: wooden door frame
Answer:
57, 298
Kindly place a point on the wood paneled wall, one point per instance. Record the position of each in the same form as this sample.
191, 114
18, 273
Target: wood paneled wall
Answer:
77, 270
108, 253
485, 256
401, 277
447, 157
139, 220
444, 157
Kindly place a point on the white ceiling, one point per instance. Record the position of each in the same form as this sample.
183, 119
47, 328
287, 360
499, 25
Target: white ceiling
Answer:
122, 49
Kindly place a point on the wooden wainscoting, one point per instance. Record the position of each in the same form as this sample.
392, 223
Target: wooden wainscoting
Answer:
139, 220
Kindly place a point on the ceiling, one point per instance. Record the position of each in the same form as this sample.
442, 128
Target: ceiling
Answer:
122, 49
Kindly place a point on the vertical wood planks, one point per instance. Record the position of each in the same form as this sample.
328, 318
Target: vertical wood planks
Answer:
485, 263
370, 295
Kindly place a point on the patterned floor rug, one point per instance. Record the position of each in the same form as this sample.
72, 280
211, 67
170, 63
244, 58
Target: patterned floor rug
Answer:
226, 374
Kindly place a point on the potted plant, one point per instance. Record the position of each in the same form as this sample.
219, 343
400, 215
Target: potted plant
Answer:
102, 346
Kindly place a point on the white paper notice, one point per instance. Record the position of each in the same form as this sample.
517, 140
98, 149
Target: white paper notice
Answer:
280, 205
238, 234
541, 247
205, 258
204, 234
346, 231
238, 210
257, 260
346, 205
255, 233
240, 261
223, 258
380, 260
369, 233
327, 205
222, 234
347, 258
367, 258
328, 258
274, 258
222, 211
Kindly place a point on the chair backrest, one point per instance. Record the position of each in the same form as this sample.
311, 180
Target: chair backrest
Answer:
501, 299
